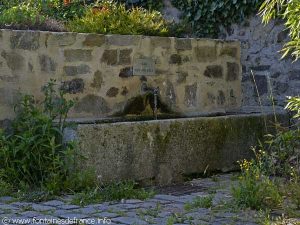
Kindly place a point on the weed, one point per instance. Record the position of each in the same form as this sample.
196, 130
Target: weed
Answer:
5, 188
177, 218
255, 190
215, 178
199, 202
34, 158
151, 212
293, 191
112, 192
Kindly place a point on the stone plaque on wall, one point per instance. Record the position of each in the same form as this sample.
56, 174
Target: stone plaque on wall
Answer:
143, 67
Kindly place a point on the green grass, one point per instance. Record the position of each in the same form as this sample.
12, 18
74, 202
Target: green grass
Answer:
199, 202
112, 192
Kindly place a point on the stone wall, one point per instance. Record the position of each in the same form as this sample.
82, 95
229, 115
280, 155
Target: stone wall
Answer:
194, 76
260, 53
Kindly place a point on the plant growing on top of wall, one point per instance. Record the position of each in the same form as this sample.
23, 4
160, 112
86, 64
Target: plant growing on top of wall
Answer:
206, 16
109, 17
147, 4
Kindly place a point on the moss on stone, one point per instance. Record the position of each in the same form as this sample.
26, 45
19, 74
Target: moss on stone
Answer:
144, 105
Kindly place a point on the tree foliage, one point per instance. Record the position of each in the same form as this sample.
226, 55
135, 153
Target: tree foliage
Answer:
289, 10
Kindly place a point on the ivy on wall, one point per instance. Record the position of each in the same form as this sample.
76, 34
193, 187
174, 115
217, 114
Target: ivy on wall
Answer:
206, 16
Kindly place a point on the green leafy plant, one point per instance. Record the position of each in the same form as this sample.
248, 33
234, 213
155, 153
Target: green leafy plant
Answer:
254, 189
289, 10
23, 15
5, 188
206, 16
112, 192
199, 202
34, 154
58, 10
147, 4
112, 18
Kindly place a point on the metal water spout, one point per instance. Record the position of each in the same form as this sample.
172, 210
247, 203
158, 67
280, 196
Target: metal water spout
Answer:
155, 93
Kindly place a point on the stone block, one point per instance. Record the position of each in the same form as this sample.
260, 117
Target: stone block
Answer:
175, 59
182, 77
94, 40
98, 80
92, 104
214, 71
183, 44
190, 98
125, 56
229, 51
76, 70
26, 40
261, 83
206, 54
73, 86
47, 64
163, 42
63, 39
14, 60
126, 72
112, 92
122, 40
260, 68
233, 71
221, 99
77, 55
110, 57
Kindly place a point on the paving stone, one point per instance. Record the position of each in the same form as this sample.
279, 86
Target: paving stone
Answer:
106, 214
97, 221
100, 207
160, 201
164, 214
73, 216
21, 204
42, 208
30, 214
68, 207
129, 220
133, 201
46, 217
53, 203
6, 199
148, 205
130, 206
86, 210
8, 207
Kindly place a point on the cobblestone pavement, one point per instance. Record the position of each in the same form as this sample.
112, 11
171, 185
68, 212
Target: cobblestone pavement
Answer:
163, 208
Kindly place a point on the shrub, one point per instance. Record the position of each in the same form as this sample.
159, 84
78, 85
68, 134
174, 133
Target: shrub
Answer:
56, 9
28, 16
111, 18
147, 4
255, 190
34, 155
207, 16
23, 15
